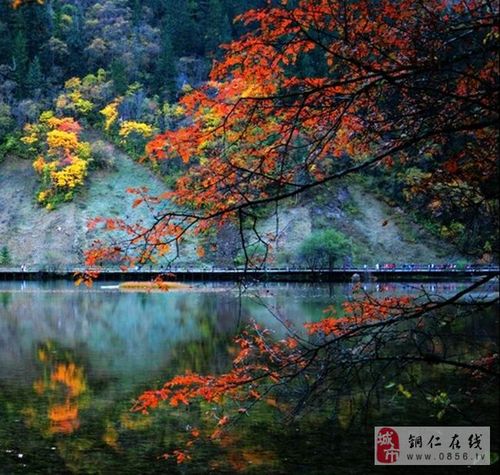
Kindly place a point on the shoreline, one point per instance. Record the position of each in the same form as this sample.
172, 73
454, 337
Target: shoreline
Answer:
263, 275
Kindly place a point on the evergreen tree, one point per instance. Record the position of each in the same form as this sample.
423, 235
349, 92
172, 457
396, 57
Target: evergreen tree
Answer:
5, 33
20, 61
34, 79
69, 29
165, 74
136, 8
5, 258
217, 27
119, 77
184, 32
38, 27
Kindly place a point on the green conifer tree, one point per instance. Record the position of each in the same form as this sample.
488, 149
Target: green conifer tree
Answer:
34, 79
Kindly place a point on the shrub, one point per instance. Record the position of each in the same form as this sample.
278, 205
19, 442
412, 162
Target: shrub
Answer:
60, 158
5, 258
322, 249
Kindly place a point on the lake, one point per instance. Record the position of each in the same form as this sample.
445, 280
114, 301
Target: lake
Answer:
72, 361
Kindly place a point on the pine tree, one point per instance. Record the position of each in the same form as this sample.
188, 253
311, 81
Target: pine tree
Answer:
217, 27
5, 33
183, 29
119, 77
20, 61
165, 74
34, 79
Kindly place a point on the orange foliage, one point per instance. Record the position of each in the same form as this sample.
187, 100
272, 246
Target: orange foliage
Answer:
360, 313
18, 3
66, 382
71, 376
246, 118
392, 78
261, 363
63, 418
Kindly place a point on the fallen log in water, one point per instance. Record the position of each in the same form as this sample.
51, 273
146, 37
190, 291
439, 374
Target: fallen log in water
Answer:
152, 286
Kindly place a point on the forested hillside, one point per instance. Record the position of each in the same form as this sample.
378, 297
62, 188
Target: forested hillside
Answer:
130, 71
44, 44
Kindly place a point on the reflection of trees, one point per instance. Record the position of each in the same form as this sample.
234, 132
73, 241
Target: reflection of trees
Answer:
351, 365
125, 333
61, 387
5, 298
208, 350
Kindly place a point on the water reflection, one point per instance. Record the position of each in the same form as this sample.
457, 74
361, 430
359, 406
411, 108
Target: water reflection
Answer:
60, 387
72, 360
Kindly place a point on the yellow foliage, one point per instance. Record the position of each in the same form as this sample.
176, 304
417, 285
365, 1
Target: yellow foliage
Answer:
173, 110
73, 83
71, 176
29, 139
53, 122
62, 139
110, 113
130, 127
62, 160
46, 116
83, 106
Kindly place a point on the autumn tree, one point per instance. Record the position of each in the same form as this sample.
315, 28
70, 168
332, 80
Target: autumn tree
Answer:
407, 85
60, 158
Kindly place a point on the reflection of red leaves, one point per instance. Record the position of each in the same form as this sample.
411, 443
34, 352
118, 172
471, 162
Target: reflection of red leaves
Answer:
451, 166
254, 394
291, 343
223, 421
179, 455
87, 278
262, 363
215, 434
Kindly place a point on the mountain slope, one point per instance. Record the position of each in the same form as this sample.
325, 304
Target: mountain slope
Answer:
37, 237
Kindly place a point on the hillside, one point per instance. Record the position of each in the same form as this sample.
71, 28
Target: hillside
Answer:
37, 237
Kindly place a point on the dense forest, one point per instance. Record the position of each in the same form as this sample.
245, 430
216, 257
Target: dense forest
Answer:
44, 45
123, 66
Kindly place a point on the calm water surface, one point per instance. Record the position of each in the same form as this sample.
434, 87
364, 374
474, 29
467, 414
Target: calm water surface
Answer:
72, 361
